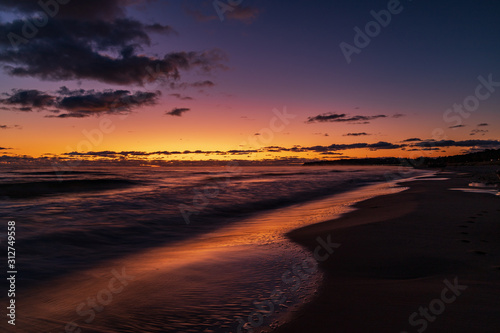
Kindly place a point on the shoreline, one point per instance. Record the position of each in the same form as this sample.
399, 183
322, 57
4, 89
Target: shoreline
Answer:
397, 252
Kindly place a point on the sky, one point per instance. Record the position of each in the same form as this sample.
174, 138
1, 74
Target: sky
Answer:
245, 79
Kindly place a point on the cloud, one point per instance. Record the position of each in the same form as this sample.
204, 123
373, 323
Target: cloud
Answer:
398, 115
197, 84
412, 140
342, 117
83, 42
465, 143
483, 124
181, 97
177, 112
457, 126
324, 150
80, 103
28, 99
88, 9
9, 127
356, 134
339, 147
478, 131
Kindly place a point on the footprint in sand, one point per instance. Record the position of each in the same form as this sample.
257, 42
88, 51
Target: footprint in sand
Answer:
463, 226
471, 222
479, 252
465, 241
464, 233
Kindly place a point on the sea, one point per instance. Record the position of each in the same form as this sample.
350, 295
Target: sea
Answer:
171, 249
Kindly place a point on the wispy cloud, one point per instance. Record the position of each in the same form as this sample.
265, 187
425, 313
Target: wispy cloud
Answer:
356, 134
177, 112
342, 117
5, 127
478, 131
453, 143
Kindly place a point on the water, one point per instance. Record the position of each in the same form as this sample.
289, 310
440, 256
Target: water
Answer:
205, 246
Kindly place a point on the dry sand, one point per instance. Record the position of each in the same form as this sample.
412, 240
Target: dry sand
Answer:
396, 251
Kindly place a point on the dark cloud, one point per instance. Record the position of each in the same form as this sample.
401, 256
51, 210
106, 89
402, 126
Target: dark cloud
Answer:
9, 127
412, 140
338, 147
160, 29
324, 150
28, 99
356, 134
80, 103
457, 126
383, 145
116, 154
88, 9
483, 124
197, 84
478, 131
92, 40
342, 117
465, 143
398, 115
177, 112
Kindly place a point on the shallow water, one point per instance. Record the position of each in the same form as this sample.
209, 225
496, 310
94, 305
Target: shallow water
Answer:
224, 272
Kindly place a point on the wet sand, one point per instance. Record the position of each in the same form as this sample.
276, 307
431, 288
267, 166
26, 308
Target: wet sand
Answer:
396, 252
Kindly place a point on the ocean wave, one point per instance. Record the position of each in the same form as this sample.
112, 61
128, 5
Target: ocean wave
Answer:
26, 190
